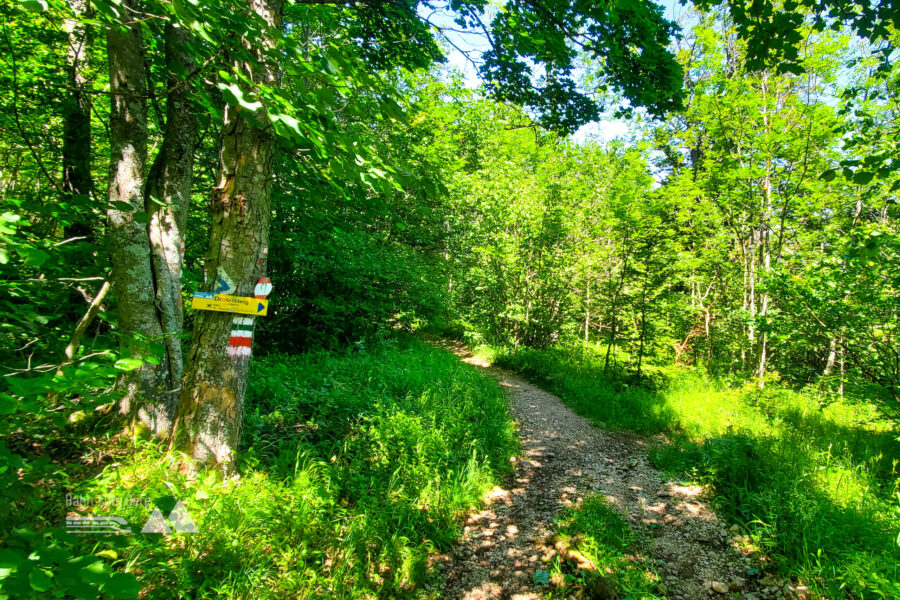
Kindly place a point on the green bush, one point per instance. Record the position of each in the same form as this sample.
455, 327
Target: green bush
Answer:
354, 468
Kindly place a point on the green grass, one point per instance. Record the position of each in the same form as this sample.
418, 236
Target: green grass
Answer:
355, 468
812, 480
598, 556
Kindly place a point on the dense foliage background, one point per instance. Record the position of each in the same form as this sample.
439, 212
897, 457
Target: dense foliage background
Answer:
728, 273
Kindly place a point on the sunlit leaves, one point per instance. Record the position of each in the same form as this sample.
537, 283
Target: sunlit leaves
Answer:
236, 97
35, 5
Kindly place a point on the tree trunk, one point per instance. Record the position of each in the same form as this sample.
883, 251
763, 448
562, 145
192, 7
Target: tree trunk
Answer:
129, 244
76, 143
832, 355
168, 196
210, 408
643, 328
614, 329
766, 230
587, 312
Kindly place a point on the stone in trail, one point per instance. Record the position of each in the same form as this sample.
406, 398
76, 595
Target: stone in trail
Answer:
565, 458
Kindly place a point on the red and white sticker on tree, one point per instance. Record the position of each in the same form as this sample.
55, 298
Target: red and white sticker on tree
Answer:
241, 337
263, 288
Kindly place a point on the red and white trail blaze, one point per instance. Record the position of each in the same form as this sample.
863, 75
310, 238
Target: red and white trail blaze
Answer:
263, 288
241, 337
242, 327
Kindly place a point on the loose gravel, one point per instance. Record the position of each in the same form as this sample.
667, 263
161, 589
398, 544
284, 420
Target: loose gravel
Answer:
564, 458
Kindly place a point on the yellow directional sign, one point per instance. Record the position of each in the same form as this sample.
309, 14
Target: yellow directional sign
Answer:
230, 304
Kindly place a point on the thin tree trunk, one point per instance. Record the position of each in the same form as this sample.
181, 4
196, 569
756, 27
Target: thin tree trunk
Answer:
765, 230
128, 241
643, 327
80, 329
76, 142
614, 330
842, 366
168, 197
210, 408
832, 355
587, 312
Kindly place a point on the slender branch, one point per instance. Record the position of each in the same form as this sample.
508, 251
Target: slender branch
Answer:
82, 326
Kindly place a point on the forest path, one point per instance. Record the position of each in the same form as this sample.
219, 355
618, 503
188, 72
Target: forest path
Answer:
563, 459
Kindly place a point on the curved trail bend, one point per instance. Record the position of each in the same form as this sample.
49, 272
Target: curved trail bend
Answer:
564, 458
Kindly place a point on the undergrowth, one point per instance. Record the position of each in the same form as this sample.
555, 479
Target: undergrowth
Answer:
598, 556
354, 469
812, 479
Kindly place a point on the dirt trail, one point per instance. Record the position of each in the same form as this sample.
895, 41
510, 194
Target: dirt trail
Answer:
564, 458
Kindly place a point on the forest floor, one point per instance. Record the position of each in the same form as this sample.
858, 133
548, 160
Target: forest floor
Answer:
564, 460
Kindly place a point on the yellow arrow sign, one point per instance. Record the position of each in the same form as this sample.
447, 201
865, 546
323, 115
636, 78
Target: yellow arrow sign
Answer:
230, 304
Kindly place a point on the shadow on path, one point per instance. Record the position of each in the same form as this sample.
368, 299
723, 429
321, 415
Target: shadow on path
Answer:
565, 458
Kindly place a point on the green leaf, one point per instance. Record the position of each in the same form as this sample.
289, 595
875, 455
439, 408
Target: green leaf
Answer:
128, 364
863, 177
542, 577
10, 558
200, 30
35, 5
790, 67
141, 217
33, 257
235, 97
96, 572
122, 586
328, 66
392, 110
40, 580
828, 175
123, 206
8, 404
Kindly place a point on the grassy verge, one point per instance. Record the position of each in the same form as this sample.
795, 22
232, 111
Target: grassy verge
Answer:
355, 468
597, 556
813, 481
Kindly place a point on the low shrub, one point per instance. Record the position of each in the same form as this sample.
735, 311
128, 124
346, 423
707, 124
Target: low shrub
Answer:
355, 467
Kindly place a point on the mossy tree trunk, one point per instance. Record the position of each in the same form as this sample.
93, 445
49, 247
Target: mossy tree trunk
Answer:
210, 409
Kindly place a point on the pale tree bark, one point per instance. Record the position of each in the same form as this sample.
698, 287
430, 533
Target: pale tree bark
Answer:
168, 197
766, 228
832, 356
147, 258
129, 244
210, 408
587, 311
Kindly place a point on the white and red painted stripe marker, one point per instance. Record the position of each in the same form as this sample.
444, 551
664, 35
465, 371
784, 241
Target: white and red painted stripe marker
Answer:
263, 288
242, 327
241, 336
